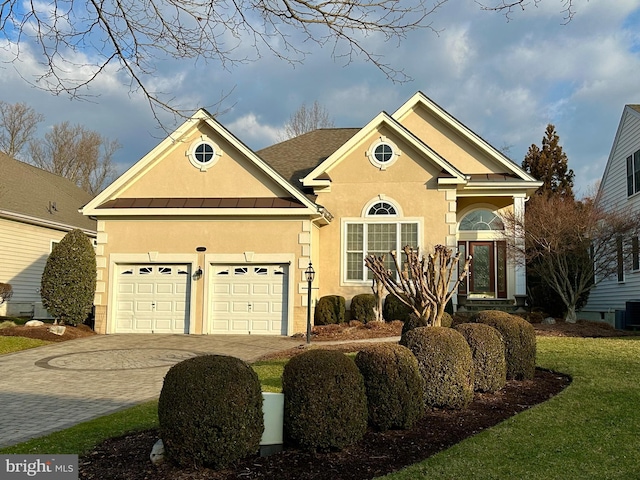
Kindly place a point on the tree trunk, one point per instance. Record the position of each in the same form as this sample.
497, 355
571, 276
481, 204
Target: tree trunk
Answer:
571, 316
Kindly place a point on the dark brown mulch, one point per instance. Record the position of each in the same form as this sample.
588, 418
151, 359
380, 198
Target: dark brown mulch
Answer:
42, 332
378, 453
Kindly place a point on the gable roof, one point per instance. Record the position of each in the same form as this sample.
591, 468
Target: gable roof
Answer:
106, 200
318, 176
630, 109
32, 195
420, 99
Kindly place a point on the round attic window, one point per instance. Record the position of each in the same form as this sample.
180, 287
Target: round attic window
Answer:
383, 153
203, 154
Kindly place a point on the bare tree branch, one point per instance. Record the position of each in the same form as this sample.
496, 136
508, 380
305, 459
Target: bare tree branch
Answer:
83, 156
18, 125
509, 6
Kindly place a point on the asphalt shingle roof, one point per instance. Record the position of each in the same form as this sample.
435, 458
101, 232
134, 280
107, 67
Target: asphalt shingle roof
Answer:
295, 158
30, 191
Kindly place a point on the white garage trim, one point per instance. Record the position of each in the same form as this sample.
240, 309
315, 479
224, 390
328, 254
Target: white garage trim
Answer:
256, 259
144, 258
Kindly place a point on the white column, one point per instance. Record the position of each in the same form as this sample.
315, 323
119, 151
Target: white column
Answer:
521, 273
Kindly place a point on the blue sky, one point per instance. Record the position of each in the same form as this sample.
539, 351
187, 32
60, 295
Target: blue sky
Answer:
503, 79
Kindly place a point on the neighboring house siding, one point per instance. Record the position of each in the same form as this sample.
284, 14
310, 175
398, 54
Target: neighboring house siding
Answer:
610, 294
24, 250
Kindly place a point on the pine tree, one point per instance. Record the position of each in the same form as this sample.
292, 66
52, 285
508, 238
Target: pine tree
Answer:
69, 279
550, 164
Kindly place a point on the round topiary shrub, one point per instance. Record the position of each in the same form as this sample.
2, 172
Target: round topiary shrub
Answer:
519, 339
210, 411
394, 309
329, 310
68, 283
394, 386
446, 320
362, 307
325, 403
445, 364
487, 351
414, 322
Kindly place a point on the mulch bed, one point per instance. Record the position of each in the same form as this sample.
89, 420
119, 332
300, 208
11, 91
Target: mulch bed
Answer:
378, 453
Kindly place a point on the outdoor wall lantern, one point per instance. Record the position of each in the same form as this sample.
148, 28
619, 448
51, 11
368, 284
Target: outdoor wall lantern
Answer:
198, 273
310, 275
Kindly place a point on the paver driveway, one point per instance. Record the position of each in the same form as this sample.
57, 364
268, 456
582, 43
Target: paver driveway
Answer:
56, 386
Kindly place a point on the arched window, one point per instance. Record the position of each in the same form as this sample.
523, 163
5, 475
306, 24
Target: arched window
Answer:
481, 220
382, 208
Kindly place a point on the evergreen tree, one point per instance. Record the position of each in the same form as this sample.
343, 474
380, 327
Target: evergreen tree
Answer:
69, 279
550, 164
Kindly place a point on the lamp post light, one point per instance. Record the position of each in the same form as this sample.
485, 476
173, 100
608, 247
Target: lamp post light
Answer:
310, 275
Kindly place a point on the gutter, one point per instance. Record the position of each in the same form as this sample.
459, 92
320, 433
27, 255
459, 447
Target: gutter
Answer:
44, 223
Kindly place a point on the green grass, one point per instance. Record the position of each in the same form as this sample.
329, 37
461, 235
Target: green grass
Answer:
82, 437
270, 374
589, 431
15, 344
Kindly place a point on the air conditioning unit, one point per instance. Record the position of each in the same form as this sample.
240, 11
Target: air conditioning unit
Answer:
40, 313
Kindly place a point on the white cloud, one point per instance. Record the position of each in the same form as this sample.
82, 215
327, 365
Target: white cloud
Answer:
251, 132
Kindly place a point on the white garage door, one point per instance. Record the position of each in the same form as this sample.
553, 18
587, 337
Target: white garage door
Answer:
152, 299
248, 299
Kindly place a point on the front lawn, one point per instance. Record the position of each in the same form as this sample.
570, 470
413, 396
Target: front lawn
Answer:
590, 430
15, 344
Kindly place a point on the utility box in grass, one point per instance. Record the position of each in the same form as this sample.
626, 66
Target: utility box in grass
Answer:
273, 411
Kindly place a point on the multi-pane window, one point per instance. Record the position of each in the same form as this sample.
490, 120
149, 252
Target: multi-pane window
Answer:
378, 239
635, 253
633, 173
620, 259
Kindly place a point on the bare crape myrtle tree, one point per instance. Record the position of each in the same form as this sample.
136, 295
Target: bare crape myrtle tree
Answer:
424, 283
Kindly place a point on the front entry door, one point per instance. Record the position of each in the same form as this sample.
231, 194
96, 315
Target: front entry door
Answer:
482, 271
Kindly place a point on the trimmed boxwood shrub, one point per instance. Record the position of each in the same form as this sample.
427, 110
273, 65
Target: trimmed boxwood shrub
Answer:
362, 307
394, 309
487, 351
210, 411
68, 282
325, 403
414, 322
329, 310
520, 342
394, 386
445, 363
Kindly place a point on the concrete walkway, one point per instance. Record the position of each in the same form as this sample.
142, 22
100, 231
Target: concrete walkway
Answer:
51, 388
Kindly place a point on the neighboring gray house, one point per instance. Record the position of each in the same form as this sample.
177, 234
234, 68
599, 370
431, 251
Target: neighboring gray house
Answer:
620, 188
37, 209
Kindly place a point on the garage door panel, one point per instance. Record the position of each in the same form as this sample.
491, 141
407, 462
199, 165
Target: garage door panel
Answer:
221, 306
162, 288
152, 298
240, 324
248, 299
241, 289
221, 289
240, 307
164, 307
261, 289
126, 288
260, 307
143, 307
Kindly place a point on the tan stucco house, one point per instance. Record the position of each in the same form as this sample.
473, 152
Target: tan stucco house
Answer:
37, 209
205, 236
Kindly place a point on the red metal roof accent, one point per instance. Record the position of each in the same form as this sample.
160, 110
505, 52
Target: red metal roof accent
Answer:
247, 202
